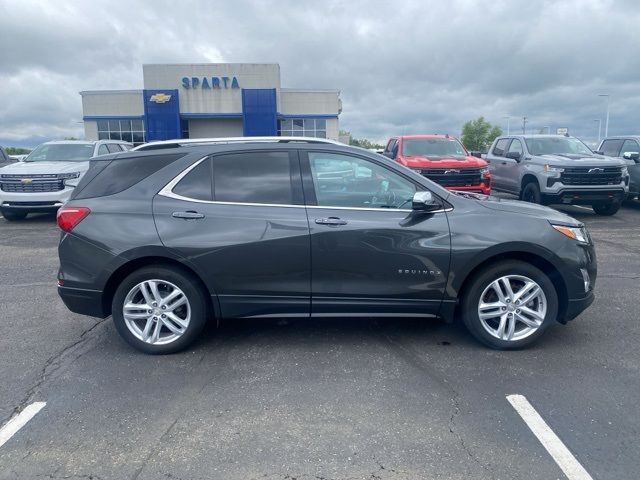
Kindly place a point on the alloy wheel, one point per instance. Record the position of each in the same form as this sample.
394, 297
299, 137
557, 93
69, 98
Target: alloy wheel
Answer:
156, 312
512, 307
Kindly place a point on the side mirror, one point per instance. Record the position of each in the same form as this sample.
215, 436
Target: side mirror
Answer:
425, 202
514, 155
635, 156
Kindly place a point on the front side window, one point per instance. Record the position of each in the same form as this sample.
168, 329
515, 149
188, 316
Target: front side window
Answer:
629, 146
516, 146
433, 148
556, 146
345, 181
61, 152
611, 148
253, 177
103, 150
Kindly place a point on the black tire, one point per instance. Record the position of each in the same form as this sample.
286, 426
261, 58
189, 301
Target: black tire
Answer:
185, 281
481, 280
531, 193
13, 216
606, 208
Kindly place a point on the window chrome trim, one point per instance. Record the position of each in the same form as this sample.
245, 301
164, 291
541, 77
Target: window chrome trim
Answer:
167, 191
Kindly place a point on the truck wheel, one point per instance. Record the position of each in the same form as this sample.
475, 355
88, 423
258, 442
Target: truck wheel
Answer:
606, 208
531, 193
13, 216
509, 305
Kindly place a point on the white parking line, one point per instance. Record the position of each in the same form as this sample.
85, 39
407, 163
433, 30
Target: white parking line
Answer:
19, 421
560, 453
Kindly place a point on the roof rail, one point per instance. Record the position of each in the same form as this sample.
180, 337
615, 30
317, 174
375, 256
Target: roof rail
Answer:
184, 142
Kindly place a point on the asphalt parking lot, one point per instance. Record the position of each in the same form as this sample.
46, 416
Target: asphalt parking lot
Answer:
331, 399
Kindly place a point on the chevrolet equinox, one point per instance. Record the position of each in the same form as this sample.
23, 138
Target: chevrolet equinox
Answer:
167, 237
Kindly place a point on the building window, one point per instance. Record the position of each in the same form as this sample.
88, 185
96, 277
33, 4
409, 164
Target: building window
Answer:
126, 130
303, 127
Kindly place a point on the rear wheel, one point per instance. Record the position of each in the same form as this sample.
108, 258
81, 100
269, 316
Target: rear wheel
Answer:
160, 309
531, 193
509, 305
606, 208
13, 216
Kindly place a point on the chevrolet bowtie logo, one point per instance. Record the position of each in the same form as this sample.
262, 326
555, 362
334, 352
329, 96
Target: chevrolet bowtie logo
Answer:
160, 98
26, 181
451, 172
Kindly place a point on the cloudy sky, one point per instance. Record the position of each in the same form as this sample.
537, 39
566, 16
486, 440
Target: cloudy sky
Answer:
402, 66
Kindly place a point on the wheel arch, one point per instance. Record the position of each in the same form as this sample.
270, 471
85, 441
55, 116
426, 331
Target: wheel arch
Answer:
131, 265
544, 261
526, 179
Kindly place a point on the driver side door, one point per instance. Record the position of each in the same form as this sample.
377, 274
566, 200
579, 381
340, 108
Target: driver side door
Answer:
370, 253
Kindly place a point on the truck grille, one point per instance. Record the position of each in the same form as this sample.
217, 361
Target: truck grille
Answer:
31, 183
453, 177
591, 176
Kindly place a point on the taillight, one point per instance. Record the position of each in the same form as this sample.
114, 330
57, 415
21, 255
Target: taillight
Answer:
69, 217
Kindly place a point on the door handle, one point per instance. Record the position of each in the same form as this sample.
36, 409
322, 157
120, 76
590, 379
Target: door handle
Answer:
504, 163
334, 221
188, 215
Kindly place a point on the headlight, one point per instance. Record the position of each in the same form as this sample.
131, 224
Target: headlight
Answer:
553, 171
624, 172
579, 234
484, 171
67, 176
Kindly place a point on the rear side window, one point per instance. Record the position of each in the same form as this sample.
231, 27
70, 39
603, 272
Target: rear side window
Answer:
118, 175
114, 148
197, 183
500, 147
103, 150
254, 177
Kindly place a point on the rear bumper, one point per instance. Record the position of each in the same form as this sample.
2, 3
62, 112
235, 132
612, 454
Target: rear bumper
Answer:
82, 301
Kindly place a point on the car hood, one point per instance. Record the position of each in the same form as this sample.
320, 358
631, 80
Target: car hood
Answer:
34, 168
525, 208
574, 160
445, 162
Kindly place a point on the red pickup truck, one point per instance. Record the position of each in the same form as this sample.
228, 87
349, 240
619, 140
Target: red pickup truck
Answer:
443, 159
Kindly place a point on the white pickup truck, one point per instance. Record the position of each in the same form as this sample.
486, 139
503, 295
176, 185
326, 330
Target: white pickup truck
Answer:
43, 182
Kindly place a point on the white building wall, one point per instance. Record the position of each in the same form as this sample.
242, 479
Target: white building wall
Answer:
215, 127
112, 103
208, 100
308, 102
333, 129
90, 130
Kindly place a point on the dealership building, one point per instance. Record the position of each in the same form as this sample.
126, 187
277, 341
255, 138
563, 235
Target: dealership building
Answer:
210, 100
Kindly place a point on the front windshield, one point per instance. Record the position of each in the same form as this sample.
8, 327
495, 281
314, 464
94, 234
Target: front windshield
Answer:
556, 146
432, 147
61, 152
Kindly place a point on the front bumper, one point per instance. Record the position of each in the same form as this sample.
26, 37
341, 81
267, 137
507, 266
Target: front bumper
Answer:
575, 306
582, 196
35, 202
82, 301
480, 188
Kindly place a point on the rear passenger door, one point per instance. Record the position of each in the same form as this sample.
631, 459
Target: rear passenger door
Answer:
497, 162
240, 218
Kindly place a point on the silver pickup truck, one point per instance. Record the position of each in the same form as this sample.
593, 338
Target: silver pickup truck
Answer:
556, 169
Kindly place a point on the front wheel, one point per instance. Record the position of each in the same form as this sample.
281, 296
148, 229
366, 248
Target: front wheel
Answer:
531, 193
160, 309
509, 305
13, 216
606, 208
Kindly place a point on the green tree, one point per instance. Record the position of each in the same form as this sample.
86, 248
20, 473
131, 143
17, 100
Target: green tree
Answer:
17, 151
360, 142
478, 134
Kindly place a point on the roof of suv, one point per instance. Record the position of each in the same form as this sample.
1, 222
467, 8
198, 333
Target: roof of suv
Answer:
426, 135
185, 142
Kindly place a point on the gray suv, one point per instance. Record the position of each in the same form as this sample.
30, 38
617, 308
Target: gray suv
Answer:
628, 149
556, 169
165, 239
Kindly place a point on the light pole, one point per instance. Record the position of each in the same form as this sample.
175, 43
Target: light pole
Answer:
606, 122
524, 125
548, 129
599, 120
508, 124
